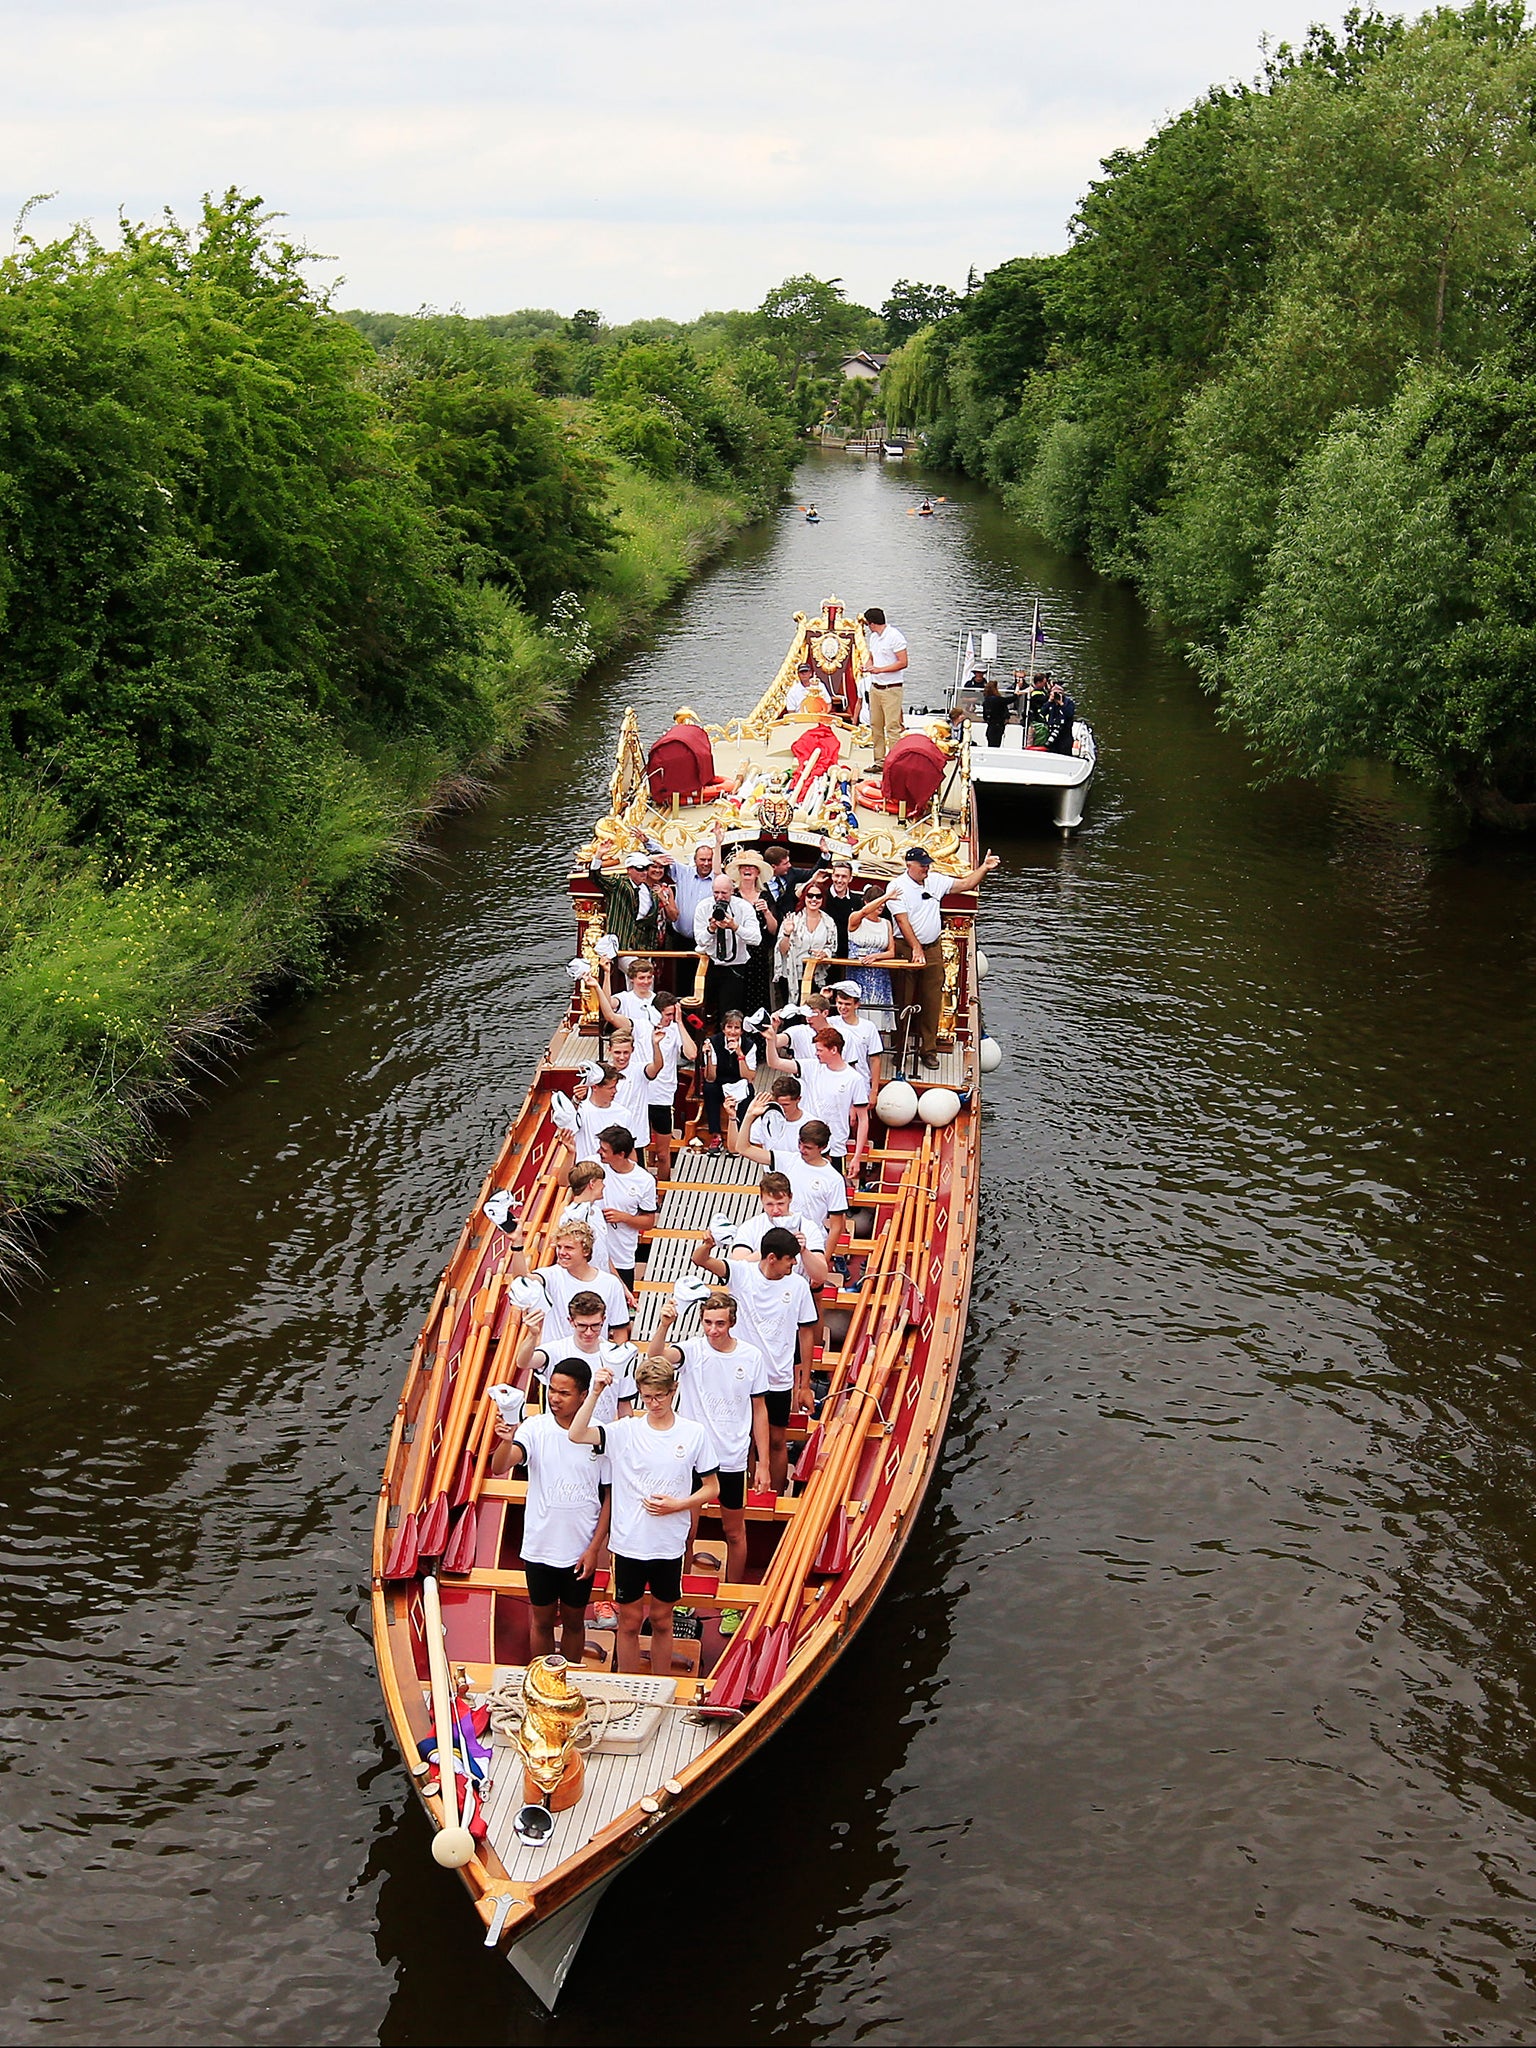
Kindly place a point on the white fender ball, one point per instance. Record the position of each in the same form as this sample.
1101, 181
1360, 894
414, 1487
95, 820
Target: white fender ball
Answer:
982, 970
991, 1055
452, 1847
938, 1106
897, 1104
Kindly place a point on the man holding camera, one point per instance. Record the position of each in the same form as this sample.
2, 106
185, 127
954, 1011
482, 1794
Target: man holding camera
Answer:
725, 929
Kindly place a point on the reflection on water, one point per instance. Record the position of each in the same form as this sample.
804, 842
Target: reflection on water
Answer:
1201, 1707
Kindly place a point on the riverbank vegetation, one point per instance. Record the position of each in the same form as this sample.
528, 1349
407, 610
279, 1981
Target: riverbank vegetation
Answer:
1284, 379
269, 594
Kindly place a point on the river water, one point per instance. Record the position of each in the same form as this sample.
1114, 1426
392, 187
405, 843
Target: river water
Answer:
1201, 1706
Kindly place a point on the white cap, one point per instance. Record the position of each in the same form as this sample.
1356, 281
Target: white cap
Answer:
637, 860
591, 1073
844, 988
528, 1293
686, 1290
607, 947
511, 1402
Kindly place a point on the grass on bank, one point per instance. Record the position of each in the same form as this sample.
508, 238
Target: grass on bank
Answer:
114, 990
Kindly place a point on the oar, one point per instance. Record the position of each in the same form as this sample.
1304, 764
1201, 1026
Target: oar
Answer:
453, 1845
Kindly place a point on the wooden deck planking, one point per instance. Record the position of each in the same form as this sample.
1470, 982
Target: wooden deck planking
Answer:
613, 1785
714, 1181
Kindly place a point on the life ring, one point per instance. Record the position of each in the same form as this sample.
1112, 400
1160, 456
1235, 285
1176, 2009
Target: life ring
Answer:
869, 796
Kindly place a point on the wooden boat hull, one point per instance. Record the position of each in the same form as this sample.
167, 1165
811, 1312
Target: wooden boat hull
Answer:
825, 1552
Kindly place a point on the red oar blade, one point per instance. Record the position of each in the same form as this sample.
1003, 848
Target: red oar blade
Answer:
404, 1554
464, 1480
810, 1453
728, 1687
460, 1553
831, 1559
432, 1532
772, 1661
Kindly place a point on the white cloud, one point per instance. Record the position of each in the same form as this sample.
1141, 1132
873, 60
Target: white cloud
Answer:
654, 159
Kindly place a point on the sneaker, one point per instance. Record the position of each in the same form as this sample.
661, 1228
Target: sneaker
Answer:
715, 1143
730, 1620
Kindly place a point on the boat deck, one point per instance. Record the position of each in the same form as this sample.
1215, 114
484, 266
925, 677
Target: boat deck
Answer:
616, 1778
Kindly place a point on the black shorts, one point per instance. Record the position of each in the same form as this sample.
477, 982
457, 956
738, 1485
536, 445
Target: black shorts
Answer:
551, 1585
733, 1489
777, 1401
625, 1275
632, 1575
660, 1114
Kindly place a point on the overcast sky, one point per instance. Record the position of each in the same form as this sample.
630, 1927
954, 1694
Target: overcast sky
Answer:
642, 159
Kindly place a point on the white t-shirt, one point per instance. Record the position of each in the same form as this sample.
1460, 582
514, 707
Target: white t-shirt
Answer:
646, 1461
591, 1213
662, 1091
774, 1130
562, 1287
802, 1041
833, 1098
919, 903
636, 1192
620, 1358
715, 1390
750, 1233
861, 1042
642, 1014
563, 1507
819, 1191
771, 1314
884, 644
630, 1107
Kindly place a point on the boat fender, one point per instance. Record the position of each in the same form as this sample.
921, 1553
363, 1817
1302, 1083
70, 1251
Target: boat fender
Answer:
991, 1055
982, 969
938, 1106
896, 1104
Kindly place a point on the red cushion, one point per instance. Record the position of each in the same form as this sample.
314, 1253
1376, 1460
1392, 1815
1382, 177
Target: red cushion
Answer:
914, 769
680, 762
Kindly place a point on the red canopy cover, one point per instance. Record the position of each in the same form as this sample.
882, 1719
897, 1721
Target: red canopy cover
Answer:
914, 769
680, 763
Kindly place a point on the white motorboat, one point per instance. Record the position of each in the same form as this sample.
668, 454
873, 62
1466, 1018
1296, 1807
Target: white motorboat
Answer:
1059, 773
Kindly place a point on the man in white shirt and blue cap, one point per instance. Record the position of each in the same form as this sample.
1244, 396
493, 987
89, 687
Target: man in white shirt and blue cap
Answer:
916, 898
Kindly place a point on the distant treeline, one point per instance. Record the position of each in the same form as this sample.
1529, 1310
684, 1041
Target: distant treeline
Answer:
1284, 379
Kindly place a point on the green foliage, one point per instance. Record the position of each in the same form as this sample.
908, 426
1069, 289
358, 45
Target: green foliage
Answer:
911, 307
264, 593
808, 323
1398, 613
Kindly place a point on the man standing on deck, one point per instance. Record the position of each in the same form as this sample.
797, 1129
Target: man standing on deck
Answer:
692, 883
636, 903
565, 1517
779, 1318
662, 1469
885, 665
915, 899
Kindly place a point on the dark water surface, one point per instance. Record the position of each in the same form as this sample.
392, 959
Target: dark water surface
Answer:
1202, 1706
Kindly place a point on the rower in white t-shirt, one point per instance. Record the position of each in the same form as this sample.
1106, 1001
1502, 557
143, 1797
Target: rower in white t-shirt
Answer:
565, 1517
572, 1271
834, 1093
769, 1127
634, 1008
629, 1199
663, 1470
723, 1384
586, 1181
613, 1093
539, 1350
863, 1043
778, 1318
778, 1212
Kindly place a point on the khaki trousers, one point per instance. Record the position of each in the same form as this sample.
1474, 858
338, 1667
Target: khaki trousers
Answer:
925, 986
884, 717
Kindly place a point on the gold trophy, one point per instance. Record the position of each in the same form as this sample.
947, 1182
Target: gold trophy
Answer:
544, 1722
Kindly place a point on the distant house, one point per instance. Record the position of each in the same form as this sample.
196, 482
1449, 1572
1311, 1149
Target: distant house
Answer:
864, 364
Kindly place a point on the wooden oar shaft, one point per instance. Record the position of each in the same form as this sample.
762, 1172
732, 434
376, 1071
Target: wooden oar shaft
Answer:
442, 1699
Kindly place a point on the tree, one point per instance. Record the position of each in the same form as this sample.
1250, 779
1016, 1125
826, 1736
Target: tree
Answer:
807, 323
913, 306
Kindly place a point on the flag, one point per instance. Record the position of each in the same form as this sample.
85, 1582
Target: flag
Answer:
1039, 632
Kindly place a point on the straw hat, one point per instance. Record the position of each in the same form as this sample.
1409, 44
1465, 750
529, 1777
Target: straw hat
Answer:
748, 859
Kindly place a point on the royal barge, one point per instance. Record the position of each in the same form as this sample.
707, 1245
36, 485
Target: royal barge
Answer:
449, 1594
